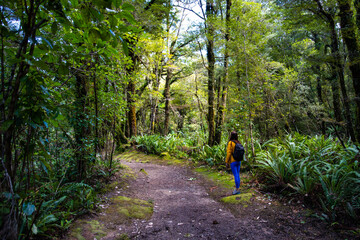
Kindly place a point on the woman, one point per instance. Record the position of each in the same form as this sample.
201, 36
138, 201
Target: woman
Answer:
230, 161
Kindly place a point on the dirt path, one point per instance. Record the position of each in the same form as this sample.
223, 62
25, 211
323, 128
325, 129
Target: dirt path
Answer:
183, 209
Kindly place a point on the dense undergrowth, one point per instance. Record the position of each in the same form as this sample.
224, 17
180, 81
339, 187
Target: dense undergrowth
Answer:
317, 170
50, 209
191, 146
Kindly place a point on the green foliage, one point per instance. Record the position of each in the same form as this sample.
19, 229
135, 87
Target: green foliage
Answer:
60, 68
181, 145
316, 167
213, 156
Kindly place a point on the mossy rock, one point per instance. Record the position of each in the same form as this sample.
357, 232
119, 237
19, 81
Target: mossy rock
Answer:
165, 155
85, 229
243, 199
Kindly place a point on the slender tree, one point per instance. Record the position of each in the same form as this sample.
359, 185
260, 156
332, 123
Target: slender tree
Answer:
224, 91
210, 31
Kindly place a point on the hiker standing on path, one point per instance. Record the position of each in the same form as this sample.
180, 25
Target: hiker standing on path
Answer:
232, 162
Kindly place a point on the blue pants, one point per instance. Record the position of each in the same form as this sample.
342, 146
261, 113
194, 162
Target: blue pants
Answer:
235, 168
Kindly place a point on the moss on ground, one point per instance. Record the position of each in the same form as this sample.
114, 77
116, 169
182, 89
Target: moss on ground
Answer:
75, 233
164, 158
126, 173
84, 229
123, 209
222, 178
123, 237
97, 229
109, 187
137, 156
243, 199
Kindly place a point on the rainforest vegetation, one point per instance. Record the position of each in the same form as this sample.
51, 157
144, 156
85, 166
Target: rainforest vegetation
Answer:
83, 79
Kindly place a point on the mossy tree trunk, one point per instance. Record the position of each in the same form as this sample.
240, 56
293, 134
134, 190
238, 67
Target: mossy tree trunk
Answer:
349, 33
210, 31
131, 88
222, 105
339, 71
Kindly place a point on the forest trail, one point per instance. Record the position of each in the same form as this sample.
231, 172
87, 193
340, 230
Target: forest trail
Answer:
184, 209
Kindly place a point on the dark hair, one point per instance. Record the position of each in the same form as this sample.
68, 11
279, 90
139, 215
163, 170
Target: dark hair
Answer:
234, 137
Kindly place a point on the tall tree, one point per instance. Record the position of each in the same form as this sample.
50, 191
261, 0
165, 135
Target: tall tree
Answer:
224, 91
131, 86
349, 33
210, 33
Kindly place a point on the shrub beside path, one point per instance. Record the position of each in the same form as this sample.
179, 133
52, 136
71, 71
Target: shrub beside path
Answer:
186, 205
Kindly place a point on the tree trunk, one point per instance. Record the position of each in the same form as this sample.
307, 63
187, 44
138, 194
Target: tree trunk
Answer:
201, 109
317, 41
18, 72
81, 125
156, 83
131, 95
348, 30
249, 100
167, 99
335, 96
211, 68
339, 70
96, 116
222, 106
321, 100
357, 9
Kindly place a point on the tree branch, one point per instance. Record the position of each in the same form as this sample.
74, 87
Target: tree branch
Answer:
202, 57
198, 15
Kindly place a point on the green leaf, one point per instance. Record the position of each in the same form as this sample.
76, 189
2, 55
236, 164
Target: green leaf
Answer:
63, 70
54, 28
42, 65
117, 3
94, 34
47, 219
46, 41
29, 208
113, 21
74, 3
68, 49
125, 47
127, 7
128, 16
105, 35
6, 125
45, 90
34, 229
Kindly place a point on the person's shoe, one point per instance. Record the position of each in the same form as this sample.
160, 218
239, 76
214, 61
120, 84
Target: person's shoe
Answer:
235, 192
